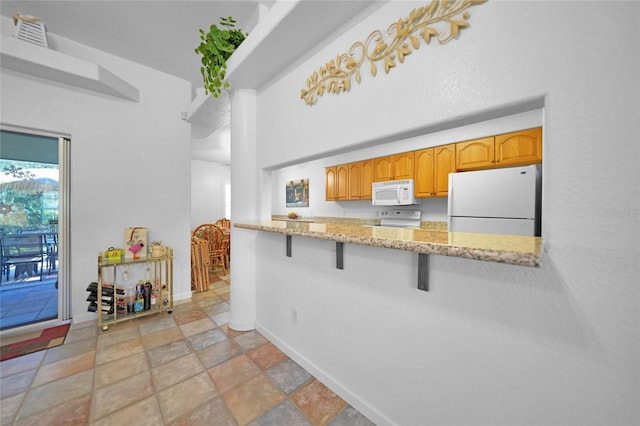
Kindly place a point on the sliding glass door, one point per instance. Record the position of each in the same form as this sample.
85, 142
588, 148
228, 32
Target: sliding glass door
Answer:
32, 200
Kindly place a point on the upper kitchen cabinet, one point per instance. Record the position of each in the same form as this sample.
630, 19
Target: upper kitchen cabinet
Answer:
475, 154
360, 180
506, 150
433, 166
337, 182
519, 148
330, 183
394, 167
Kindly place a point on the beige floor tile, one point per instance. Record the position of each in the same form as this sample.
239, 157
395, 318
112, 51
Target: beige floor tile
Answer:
162, 337
318, 402
21, 363
168, 352
184, 397
9, 408
81, 334
56, 393
212, 413
266, 356
73, 412
155, 323
64, 368
118, 351
120, 394
69, 349
196, 327
186, 317
115, 371
233, 372
250, 340
218, 353
141, 413
175, 371
117, 335
252, 399
17, 383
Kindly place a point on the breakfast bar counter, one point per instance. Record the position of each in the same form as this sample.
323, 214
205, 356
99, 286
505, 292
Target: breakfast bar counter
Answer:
511, 249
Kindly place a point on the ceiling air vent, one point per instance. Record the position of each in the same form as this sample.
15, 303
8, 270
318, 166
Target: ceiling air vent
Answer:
29, 28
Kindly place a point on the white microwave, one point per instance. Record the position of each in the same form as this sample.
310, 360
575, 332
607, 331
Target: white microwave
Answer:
393, 193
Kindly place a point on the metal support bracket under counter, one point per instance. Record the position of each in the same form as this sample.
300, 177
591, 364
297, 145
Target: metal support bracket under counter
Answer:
339, 252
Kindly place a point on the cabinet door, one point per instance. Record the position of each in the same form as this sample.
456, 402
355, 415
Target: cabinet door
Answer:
444, 162
366, 179
424, 173
519, 148
475, 154
330, 183
355, 174
383, 167
342, 182
403, 166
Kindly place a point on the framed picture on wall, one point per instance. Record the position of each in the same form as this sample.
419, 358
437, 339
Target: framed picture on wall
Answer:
297, 193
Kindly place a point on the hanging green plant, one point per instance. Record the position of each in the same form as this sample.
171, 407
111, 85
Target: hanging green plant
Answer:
216, 47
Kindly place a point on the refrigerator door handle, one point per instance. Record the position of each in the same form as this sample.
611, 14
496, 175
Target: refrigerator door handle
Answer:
450, 194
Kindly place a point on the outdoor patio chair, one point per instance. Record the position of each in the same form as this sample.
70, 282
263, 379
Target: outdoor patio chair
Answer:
23, 252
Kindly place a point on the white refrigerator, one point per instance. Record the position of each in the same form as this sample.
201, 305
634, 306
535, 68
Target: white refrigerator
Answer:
496, 201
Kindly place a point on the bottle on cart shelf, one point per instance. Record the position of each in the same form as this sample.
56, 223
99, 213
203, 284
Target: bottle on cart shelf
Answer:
131, 298
154, 294
138, 305
165, 296
147, 295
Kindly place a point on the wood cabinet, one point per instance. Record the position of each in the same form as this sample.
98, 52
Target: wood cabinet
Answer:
330, 183
475, 154
506, 150
519, 148
394, 167
337, 182
432, 168
360, 180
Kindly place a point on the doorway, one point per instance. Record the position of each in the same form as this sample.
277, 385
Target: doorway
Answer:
33, 190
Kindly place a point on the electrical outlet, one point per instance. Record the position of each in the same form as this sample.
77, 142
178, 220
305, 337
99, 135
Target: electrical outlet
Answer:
294, 315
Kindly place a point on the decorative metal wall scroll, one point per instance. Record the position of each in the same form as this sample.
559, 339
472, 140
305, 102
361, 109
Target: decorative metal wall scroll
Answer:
335, 76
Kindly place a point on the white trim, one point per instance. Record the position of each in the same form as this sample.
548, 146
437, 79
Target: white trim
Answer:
343, 392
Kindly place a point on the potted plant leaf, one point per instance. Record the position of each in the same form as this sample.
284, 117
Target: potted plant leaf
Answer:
216, 47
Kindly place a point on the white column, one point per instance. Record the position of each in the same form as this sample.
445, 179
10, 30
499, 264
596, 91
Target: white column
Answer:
245, 186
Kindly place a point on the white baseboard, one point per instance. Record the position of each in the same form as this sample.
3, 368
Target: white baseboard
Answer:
338, 388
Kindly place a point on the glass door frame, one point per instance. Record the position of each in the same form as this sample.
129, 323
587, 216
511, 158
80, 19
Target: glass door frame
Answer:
64, 209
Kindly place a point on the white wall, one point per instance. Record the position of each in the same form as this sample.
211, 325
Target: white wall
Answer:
489, 343
207, 191
129, 160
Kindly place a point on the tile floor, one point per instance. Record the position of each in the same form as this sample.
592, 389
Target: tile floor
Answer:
184, 368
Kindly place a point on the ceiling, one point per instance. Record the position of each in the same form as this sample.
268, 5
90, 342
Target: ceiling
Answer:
160, 34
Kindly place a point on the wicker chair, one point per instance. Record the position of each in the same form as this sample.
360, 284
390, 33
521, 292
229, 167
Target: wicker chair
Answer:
217, 248
199, 264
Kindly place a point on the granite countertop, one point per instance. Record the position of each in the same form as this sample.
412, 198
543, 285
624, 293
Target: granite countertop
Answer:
512, 249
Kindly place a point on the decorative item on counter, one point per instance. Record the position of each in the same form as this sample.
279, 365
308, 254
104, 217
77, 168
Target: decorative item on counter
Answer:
292, 215
157, 249
135, 239
114, 254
